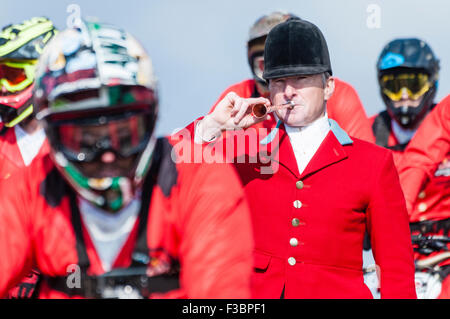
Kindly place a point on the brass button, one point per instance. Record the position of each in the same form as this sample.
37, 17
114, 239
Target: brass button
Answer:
422, 207
297, 204
295, 222
421, 195
292, 261
299, 185
293, 242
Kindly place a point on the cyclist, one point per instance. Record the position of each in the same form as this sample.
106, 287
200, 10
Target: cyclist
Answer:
408, 74
21, 138
108, 207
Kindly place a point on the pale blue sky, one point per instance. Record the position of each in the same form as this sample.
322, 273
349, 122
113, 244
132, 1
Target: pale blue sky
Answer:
198, 46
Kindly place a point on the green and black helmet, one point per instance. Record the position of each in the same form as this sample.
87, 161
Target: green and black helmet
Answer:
20, 47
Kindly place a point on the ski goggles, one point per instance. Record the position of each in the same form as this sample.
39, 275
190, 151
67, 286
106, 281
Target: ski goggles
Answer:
16, 107
16, 76
414, 84
86, 140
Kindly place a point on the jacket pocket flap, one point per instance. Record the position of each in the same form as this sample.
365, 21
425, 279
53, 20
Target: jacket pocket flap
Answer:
261, 261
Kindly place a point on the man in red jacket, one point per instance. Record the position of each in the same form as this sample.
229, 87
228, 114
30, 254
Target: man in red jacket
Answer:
108, 213
344, 106
408, 78
313, 190
427, 150
22, 140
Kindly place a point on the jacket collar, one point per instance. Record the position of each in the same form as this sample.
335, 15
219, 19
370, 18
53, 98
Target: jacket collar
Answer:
330, 151
339, 133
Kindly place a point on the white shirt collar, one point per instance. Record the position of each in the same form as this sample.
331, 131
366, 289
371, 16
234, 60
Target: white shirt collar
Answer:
306, 140
109, 232
29, 144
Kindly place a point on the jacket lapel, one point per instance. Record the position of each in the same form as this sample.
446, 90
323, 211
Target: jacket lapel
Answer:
330, 151
286, 152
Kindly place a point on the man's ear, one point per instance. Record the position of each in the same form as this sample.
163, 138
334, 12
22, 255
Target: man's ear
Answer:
329, 88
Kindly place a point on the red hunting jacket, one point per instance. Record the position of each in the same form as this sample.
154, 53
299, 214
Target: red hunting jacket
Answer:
309, 228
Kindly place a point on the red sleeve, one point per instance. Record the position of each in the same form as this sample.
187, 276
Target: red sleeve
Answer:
426, 150
15, 234
346, 108
217, 238
388, 226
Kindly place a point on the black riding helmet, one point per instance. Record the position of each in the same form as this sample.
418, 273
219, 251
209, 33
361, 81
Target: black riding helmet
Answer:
295, 47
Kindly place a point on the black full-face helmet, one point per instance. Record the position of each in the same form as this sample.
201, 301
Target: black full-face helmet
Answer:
408, 66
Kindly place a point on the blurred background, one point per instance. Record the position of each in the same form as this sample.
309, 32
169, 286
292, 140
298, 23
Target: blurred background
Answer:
198, 47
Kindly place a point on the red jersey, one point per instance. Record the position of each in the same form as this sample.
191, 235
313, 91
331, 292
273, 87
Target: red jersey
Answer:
11, 159
432, 201
190, 220
427, 152
424, 169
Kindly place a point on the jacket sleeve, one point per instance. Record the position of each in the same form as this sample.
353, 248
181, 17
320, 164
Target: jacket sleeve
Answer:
217, 240
388, 226
345, 107
426, 150
15, 235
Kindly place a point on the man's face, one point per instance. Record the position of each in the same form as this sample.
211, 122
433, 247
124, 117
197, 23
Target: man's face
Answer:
309, 93
256, 54
108, 150
407, 101
405, 89
256, 59
108, 164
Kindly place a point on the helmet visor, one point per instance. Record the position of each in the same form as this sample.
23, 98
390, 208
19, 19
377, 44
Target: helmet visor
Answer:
414, 84
15, 76
86, 140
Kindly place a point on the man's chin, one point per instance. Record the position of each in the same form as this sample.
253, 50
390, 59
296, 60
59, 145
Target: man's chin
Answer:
291, 118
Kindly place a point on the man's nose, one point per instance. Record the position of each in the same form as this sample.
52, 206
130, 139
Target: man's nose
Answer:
405, 95
289, 91
108, 157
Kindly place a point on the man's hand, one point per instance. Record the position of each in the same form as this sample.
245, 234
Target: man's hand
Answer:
232, 112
